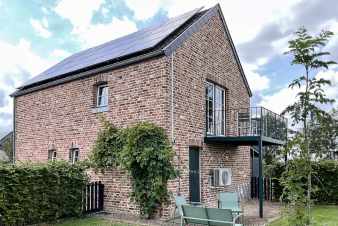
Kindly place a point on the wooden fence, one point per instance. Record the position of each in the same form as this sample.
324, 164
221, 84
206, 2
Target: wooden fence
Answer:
93, 197
267, 188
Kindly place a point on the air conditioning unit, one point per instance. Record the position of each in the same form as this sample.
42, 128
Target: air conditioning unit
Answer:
222, 177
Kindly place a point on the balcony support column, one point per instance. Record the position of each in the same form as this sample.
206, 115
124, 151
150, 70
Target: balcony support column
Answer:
260, 177
260, 169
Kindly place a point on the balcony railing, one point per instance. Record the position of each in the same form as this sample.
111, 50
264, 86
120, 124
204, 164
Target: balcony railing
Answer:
247, 122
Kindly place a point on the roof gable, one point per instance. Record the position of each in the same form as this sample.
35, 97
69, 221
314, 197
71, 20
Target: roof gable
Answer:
171, 47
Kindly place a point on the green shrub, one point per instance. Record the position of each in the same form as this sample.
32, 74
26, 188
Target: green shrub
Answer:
107, 147
33, 193
324, 180
147, 155
145, 152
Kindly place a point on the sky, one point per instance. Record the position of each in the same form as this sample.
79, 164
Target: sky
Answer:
37, 34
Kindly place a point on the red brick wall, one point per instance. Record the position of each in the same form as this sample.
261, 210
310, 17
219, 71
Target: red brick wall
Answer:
63, 114
207, 56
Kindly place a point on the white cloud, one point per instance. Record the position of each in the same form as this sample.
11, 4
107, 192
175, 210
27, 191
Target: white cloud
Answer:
243, 28
142, 11
100, 33
16, 62
279, 100
15, 58
331, 91
256, 81
80, 15
41, 27
92, 34
60, 53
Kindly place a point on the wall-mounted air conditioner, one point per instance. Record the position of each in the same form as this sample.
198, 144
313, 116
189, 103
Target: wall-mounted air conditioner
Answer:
221, 177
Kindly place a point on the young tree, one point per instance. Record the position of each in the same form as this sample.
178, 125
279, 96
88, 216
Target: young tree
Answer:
307, 51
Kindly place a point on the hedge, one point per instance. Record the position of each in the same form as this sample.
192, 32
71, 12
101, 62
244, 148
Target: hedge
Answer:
324, 181
34, 193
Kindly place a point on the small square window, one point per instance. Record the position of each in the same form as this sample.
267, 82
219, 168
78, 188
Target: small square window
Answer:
52, 155
74, 155
102, 96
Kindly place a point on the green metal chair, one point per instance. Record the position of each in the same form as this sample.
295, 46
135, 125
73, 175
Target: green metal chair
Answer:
179, 201
229, 200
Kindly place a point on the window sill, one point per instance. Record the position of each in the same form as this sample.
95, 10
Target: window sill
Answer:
99, 109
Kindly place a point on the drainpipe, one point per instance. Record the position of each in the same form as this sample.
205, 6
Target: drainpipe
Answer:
173, 140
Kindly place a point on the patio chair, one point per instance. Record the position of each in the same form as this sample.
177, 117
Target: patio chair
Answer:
229, 200
178, 213
179, 201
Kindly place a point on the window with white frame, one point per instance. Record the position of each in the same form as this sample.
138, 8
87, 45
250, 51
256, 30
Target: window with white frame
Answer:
215, 111
102, 96
52, 155
74, 155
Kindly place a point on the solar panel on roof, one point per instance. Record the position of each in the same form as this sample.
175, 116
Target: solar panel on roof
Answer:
138, 41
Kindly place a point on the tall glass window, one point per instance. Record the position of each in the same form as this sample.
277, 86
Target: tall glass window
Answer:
215, 114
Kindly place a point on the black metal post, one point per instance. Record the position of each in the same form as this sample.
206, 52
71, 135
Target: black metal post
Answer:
260, 177
260, 168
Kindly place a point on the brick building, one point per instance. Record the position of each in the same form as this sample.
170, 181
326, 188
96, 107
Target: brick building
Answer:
184, 75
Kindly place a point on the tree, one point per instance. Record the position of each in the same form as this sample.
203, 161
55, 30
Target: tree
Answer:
323, 133
307, 51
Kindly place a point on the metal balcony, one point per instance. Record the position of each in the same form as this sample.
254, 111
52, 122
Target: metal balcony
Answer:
245, 126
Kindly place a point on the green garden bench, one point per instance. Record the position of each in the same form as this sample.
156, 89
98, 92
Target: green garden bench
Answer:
208, 216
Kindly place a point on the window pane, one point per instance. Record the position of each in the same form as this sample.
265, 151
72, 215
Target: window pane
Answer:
219, 111
209, 107
102, 96
54, 156
215, 113
76, 155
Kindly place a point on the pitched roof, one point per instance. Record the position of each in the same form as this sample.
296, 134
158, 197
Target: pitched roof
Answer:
118, 48
149, 42
6, 137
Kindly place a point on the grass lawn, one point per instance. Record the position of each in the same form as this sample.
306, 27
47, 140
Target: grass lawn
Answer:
89, 221
322, 215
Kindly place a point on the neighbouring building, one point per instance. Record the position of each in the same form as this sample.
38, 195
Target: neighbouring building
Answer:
183, 75
6, 147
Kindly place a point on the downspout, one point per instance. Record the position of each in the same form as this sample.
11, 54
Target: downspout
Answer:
13, 141
173, 140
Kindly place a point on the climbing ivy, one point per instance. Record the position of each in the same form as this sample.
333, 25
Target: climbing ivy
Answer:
107, 147
144, 151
